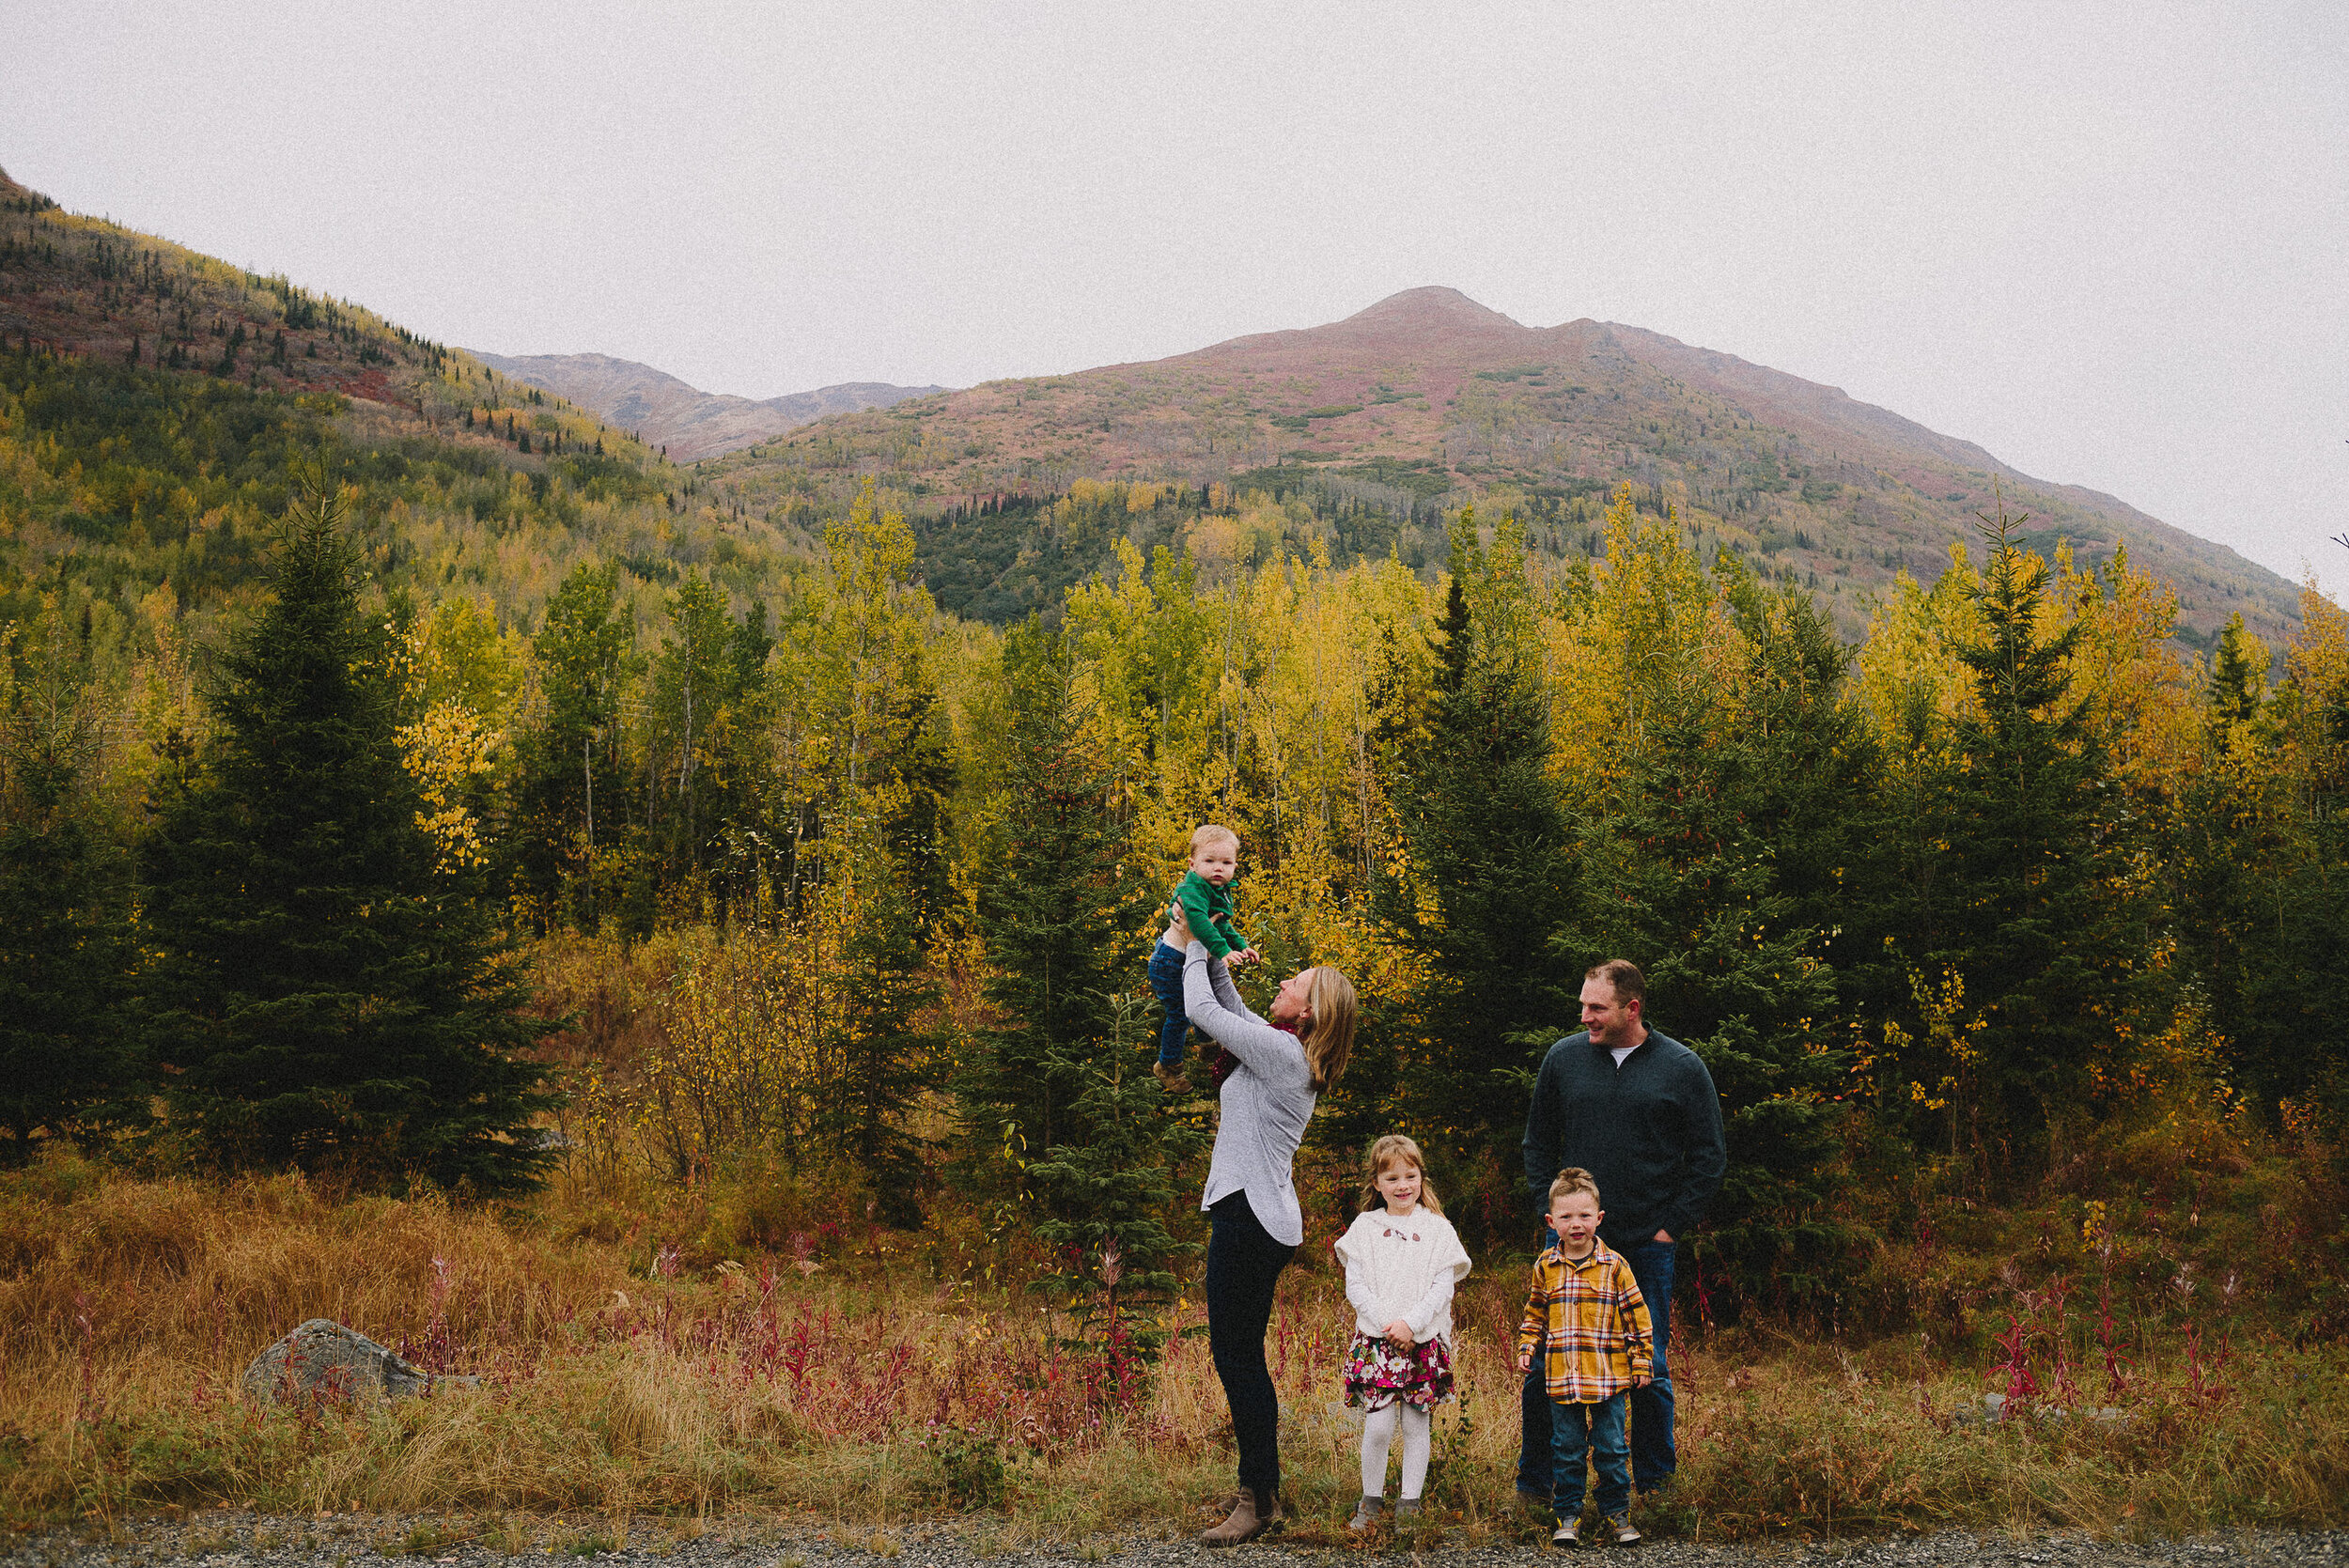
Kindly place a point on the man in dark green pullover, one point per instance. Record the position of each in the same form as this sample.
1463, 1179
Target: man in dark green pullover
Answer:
1637, 1109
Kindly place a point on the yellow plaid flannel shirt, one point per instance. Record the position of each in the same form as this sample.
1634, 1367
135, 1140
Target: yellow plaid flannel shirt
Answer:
1591, 1323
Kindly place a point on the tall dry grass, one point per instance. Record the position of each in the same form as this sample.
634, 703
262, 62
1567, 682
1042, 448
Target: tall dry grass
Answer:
620, 1379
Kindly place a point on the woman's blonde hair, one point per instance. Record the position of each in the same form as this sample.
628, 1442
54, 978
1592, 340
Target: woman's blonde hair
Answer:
1397, 1146
1331, 1000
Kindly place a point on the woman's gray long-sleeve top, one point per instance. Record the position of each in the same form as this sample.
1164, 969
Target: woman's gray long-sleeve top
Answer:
1267, 1099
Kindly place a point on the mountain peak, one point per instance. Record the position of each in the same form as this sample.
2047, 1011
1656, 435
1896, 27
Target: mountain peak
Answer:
1433, 306
1418, 322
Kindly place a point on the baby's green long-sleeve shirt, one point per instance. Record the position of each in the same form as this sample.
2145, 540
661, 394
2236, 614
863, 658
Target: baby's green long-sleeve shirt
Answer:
1207, 910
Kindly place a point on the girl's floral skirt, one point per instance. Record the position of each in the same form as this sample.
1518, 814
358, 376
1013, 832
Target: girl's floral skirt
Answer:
1377, 1374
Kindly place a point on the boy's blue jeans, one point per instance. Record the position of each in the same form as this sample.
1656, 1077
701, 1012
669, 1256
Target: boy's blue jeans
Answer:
1166, 979
1592, 1433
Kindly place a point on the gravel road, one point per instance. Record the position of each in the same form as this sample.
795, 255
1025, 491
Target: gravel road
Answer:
234, 1540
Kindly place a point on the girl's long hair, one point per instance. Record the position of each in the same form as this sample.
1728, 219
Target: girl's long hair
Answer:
1396, 1146
1331, 999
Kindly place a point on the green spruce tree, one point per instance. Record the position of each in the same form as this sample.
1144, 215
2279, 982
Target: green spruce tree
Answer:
1107, 1194
1061, 915
320, 997
2238, 675
888, 1046
2289, 1041
2031, 899
922, 770
1715, 871
1492, 851
2228, 860
68, 1064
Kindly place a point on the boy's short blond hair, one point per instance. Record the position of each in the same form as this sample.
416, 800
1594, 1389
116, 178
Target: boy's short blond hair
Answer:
1212, 833
1574, 1179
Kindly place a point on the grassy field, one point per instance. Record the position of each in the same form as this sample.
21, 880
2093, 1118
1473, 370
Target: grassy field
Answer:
870, 1378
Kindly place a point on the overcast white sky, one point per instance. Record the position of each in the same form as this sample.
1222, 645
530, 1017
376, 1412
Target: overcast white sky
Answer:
2107, 241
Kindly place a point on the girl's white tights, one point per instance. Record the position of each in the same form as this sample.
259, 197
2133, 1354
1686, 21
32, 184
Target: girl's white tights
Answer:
1379, 1433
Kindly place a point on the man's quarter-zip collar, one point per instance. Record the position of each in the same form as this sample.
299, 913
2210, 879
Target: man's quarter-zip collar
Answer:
1609, 1052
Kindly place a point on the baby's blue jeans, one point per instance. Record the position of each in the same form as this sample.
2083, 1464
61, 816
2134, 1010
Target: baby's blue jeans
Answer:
1166, 979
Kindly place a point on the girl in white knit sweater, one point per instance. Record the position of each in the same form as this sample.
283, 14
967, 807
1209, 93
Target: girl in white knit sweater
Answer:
1402, 1260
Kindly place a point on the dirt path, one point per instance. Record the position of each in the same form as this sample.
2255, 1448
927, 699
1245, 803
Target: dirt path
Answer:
247, 1541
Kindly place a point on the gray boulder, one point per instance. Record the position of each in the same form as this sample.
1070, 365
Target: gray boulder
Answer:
1994, 1410
324, 1363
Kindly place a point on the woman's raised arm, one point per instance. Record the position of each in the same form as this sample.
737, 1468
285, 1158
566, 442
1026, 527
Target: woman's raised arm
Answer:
1212, 1003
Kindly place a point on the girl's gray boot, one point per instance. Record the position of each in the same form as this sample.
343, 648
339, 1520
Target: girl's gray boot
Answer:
1408, 1508
1365, 1513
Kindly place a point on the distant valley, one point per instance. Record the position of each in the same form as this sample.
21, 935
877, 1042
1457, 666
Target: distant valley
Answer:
666, 413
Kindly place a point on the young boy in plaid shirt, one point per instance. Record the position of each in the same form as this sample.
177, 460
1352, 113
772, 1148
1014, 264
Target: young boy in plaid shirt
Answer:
1585, 1315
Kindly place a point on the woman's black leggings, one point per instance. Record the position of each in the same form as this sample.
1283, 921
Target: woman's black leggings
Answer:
1244, 1262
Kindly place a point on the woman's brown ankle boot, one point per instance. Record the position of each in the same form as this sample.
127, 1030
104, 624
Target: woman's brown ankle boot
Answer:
1247, 1522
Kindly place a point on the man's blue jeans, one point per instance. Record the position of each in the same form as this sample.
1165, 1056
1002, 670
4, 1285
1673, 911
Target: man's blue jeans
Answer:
1653, 1459
1590, 1436
1166, 979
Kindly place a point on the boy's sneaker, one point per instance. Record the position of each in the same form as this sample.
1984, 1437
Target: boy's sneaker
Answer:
1620, 1527
1169, 1080
1568, 1535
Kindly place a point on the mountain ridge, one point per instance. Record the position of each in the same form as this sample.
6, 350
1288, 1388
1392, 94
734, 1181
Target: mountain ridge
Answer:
89, 286
666, 412
1428, 394
1364, 433
163, 406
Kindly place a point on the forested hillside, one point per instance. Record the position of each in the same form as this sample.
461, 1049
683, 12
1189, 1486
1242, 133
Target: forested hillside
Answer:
160, 401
